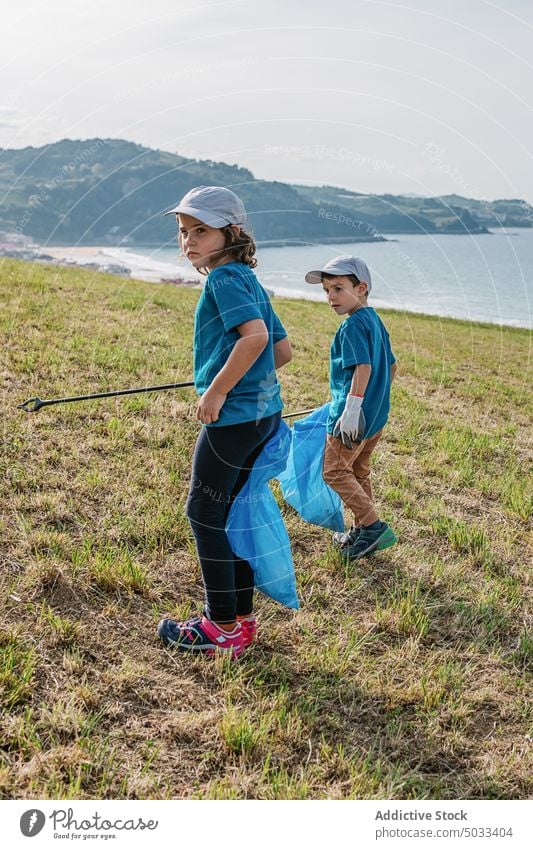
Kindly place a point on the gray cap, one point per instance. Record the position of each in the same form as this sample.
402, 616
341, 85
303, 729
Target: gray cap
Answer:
340, 266
213, 205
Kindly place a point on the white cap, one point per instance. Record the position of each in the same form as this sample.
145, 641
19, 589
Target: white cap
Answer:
212, 205
340, 266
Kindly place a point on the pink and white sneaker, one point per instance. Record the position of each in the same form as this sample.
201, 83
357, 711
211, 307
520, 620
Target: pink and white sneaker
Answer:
249, 630
201, 635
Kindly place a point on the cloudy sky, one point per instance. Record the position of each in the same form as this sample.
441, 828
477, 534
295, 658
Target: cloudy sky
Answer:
375, 95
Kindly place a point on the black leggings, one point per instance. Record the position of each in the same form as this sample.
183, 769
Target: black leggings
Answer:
222, 461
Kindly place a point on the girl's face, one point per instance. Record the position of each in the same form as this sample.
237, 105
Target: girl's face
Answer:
203, 246
343, 296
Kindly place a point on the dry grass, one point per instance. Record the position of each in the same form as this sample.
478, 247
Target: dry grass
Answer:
405, 676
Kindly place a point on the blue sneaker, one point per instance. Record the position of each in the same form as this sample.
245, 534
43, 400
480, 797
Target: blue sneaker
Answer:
200, 635
369, 541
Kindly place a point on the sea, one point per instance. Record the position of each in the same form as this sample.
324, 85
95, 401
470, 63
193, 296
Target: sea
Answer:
487, 278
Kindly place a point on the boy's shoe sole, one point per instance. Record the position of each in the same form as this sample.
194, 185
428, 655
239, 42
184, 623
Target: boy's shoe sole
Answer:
389, 538
359, 549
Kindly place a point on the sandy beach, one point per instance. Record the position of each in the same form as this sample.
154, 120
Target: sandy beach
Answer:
120, 261
83, 253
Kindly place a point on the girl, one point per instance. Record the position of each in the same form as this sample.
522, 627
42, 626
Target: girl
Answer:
239, 343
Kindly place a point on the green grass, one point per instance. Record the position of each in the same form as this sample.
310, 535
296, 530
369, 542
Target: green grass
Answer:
17, 668
406, 675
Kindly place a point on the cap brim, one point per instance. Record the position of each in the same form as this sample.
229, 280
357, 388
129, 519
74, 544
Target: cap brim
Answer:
314, 276
203, 216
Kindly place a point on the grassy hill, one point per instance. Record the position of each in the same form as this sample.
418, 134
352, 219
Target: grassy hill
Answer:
403, 676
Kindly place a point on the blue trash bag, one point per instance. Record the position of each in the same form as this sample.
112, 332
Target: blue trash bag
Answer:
302, 484
255, 527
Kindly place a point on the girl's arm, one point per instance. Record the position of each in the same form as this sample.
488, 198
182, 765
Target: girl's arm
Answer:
282, 353
253, 341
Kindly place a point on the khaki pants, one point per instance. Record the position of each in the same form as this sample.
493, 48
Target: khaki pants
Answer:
348, 473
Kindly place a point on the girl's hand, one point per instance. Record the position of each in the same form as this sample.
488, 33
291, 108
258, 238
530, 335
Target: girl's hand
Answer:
209, 406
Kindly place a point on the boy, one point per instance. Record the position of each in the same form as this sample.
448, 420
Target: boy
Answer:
362, 366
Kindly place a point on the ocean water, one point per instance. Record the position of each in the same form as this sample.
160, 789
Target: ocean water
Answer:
477, 278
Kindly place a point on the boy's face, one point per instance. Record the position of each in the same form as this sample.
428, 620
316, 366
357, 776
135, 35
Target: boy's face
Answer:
343, 296
203, 245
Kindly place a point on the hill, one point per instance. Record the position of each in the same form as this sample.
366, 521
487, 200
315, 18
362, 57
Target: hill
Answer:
416, 214
404, 676
110, 191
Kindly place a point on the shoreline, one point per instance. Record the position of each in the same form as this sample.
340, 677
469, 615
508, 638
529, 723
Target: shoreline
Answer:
99, 259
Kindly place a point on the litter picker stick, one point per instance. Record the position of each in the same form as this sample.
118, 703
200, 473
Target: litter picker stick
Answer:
34, 404
299, 413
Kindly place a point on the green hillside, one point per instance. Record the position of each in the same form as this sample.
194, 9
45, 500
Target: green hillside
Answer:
110, 191
447, 214
403, 676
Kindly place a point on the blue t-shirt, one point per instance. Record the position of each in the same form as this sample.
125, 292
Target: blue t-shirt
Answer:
231, 296
362, 338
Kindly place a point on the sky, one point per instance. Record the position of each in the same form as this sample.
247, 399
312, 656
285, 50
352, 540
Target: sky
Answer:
376, 96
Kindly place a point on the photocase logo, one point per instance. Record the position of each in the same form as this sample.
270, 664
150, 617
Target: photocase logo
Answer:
32, 822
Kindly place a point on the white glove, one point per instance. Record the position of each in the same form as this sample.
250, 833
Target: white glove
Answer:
350, 427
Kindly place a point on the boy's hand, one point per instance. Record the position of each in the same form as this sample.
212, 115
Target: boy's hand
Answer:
209, 406
350, 427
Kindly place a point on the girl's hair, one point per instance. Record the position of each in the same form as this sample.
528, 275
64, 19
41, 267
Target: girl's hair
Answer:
241, 246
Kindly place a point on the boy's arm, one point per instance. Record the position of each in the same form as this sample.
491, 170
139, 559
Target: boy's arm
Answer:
350, 428
282, 353
360, 379
393, 370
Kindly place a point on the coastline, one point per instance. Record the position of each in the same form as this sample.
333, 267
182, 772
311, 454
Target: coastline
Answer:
101, 259
143, 267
